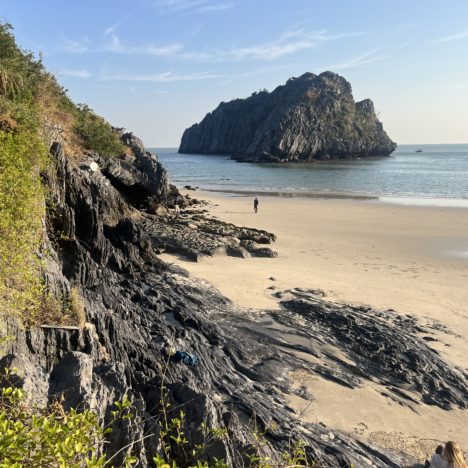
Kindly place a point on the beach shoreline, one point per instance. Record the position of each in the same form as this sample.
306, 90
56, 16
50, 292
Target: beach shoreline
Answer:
398, 200
363, 252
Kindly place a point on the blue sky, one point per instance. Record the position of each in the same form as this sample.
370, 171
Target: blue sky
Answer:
157, 66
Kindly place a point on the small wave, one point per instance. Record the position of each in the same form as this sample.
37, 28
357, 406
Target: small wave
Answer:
419, 201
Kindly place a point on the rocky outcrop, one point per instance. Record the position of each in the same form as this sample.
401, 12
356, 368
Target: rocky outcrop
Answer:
195, 237
137, 306
309, 118
138, 175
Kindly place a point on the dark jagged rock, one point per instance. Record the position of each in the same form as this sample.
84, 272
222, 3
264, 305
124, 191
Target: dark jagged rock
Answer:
139, 176
310, 117
257, 251
136, 305
196, 236
386, 348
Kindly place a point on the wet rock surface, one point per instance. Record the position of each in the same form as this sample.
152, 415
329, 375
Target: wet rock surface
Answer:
385, 347
311, 117
137, 306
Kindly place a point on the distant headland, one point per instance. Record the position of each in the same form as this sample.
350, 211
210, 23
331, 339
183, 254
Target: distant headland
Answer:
312, 117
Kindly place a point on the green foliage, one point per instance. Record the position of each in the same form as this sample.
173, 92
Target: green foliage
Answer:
18, 69
31, 104
96, 133
52, 437
22, 155
30, 436
23, 78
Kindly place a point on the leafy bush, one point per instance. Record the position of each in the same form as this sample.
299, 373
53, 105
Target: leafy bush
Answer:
96, 133
22, 154
31, 436
46, 438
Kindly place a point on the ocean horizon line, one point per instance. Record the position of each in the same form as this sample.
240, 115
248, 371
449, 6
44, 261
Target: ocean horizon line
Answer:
172, 147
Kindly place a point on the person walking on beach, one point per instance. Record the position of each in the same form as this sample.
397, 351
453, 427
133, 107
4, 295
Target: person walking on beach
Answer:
256, 204
450, 456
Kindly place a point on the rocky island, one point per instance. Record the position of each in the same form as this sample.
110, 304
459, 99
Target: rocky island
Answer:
312, 117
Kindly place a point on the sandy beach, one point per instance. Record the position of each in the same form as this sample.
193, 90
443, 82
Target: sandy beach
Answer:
411, 259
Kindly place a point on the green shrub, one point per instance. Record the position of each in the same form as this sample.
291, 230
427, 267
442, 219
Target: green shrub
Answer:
22, 155
96, 133
32, 436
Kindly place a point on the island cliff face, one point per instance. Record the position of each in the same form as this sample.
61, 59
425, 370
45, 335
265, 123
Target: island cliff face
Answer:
312, 117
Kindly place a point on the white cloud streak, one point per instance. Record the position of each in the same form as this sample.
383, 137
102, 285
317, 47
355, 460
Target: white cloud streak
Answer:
289, 42
259, 71
116, 46
211, 8
74, 73
112, 29
454, 37
192, 6
164, 77
77, 47
363, 59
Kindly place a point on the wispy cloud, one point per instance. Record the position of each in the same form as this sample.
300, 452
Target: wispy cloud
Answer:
118, 47
112, 29
290, 42
453, 37
165, 77
172, 76
77, 46
363, 59
114, 45
74, 73
259, 71
192, 6
401, 46
215, 7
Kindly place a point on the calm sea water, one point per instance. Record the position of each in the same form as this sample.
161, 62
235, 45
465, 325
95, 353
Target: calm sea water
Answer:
438, 172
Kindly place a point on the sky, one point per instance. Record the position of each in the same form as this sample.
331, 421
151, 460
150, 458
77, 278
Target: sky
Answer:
156, 67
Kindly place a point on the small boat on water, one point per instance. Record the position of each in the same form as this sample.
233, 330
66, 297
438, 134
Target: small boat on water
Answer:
419, 150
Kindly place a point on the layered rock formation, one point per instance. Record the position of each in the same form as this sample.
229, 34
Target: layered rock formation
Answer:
137, 305
309, 118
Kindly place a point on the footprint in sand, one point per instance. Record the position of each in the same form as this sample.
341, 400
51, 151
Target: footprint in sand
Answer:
360, 428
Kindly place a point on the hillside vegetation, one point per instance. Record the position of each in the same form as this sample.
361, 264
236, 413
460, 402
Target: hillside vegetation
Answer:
34, 110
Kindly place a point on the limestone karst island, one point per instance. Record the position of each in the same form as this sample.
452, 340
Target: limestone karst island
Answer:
233, 234
310, 117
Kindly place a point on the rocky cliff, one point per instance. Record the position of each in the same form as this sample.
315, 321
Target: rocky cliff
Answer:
309, 118
102, 239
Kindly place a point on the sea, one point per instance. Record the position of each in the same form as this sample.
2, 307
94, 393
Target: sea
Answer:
413, 174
